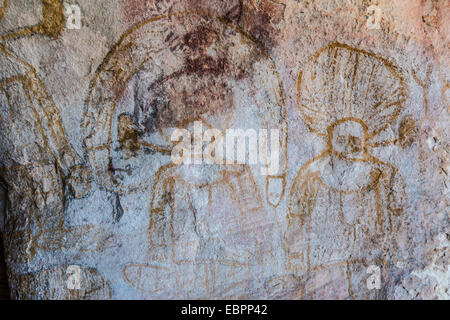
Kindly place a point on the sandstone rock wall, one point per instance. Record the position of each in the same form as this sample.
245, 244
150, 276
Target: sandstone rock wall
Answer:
354, 205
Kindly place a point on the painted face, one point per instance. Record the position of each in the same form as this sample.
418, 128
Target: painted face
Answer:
348, 139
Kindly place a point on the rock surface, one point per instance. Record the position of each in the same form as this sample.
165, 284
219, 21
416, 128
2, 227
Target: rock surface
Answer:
349, 201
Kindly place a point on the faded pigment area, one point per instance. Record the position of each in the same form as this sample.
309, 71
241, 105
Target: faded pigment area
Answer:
93, 207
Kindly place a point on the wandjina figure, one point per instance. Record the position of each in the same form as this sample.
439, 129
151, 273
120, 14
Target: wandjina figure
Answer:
193, 233
347, 209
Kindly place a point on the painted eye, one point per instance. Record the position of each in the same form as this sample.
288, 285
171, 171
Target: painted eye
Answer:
341, 140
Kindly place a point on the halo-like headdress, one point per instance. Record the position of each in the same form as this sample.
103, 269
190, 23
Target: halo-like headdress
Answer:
343, 82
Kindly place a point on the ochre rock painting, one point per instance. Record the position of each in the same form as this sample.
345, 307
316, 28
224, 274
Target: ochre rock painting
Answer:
347, 208
217, 75
242, 149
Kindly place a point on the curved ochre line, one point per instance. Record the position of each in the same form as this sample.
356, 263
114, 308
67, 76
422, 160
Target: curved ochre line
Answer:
3, 9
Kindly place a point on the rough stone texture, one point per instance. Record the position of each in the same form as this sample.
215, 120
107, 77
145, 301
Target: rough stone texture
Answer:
85, 169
